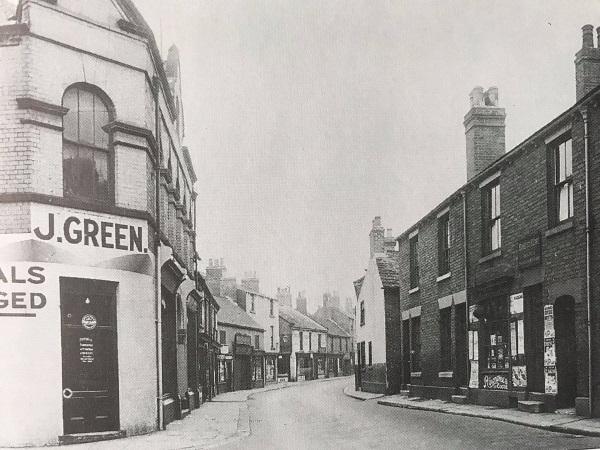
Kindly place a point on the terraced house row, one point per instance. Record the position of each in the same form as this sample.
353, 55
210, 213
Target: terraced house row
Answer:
492, 298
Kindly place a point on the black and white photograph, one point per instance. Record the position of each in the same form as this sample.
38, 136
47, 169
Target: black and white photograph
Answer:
299, 224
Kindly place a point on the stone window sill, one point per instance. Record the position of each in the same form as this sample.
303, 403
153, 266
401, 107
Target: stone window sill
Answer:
443, 277
495, 254
415, 374
446, 374
413, 290
564, 226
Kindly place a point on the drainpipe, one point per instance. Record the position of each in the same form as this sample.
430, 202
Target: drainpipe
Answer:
584, 114
466, 277
157, 275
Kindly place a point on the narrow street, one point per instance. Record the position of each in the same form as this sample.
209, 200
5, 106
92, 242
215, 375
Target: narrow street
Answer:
319, 416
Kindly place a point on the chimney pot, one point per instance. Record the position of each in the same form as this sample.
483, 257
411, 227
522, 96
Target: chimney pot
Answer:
222, 264
476, 97
377, 222
491, 96
598, 34
210, 263
588, 36
389, 232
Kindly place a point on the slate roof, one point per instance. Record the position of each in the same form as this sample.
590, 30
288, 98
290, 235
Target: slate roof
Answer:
333, 329
231, 314
298, 320
389, 271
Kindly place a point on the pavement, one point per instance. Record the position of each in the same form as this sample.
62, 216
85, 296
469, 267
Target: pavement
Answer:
225, 419
558, 422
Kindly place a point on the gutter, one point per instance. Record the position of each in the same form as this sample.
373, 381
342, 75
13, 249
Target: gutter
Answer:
157, 259
584, 114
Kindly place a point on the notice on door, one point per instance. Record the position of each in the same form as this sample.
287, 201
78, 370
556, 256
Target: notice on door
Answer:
86, 350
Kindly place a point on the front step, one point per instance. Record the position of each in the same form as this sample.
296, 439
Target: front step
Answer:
530, 406
459, 399
69, 439
404, 392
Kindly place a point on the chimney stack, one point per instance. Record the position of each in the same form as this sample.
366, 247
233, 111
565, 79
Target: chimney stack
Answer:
587, 63
377, 237
301, 303
284, 296
484, 130
250, 282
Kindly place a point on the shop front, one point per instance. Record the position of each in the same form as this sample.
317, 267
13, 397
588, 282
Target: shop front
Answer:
304, 366
270, 368
258, 365
243, 370
79, 310
225, 366
320, 364
506, 339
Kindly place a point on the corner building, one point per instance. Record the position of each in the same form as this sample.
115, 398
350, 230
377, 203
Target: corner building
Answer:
497, 287
96, 227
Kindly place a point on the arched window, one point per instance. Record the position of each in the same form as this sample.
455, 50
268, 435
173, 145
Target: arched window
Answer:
86, 145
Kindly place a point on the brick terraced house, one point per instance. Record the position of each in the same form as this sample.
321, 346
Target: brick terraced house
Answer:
100, 301
498, 300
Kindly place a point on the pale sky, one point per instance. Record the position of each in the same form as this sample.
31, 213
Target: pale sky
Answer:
305, 119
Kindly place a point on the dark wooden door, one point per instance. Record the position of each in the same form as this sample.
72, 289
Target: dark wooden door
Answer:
566, 351
89, 357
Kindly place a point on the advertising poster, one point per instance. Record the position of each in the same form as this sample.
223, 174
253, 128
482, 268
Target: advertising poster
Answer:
520, 338
550, 376
474, 378
516, 303
519, 376
548, 321
549, 352
472, 317
513, 338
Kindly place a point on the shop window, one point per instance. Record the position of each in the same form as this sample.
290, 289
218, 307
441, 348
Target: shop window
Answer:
309, 341
222, 371
446, 339
222, 337
87, 157
444, 244
415, 344
492, 223
362, 313
319, 339
370, 353
257, 341
301, 341
496, 338
561, 201
272, 337
414, 261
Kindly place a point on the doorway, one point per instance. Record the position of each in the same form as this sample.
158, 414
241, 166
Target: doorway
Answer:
566, 351
89, 356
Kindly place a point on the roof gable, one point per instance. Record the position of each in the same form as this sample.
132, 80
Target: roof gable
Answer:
231, 314
298, 320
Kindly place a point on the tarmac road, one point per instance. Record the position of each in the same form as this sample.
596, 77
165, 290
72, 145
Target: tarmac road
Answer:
319, 416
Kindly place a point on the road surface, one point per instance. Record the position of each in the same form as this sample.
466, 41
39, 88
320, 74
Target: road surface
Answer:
317, 415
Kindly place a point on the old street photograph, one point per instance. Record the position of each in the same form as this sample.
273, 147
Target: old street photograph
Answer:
315, 224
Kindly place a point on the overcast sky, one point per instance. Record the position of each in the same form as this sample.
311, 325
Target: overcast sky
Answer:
305, 119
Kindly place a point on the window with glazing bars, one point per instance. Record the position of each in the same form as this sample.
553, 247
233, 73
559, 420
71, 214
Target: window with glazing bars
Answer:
444, 244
